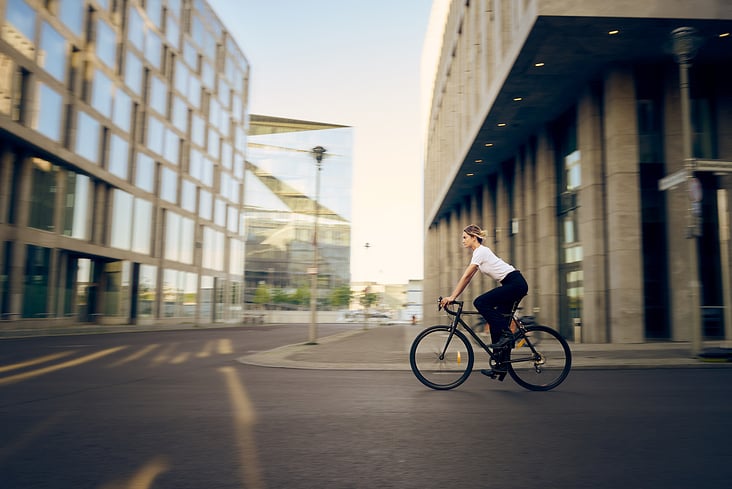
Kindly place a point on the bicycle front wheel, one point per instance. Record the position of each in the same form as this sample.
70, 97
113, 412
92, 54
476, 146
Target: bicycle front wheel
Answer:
441, 360
541, 359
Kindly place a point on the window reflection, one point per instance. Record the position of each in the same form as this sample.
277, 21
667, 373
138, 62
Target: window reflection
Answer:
145, 172
106, 43
52, 56
133, 72
118, 156
71, 13
77, 203
168, 185
43, 195
146, 292
102, 94
122, 116
121, 223
51, 102
87, 137
141, 231
19, 28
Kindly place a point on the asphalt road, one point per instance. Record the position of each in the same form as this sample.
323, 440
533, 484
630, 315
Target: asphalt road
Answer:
176, 410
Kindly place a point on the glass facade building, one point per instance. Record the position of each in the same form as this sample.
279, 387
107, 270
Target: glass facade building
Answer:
123, 136
283, 202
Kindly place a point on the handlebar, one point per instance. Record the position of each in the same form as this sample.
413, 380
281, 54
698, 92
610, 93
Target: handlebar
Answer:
458, 303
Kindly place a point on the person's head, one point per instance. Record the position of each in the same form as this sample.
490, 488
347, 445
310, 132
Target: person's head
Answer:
473, 236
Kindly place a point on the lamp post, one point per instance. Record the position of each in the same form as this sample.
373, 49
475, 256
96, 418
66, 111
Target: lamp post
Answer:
684, 45
318, 153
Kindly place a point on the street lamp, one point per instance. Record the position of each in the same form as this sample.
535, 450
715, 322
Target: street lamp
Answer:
318, 153
685, 43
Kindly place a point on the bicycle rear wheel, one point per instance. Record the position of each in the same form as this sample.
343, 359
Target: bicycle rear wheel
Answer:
541, 359
440, 360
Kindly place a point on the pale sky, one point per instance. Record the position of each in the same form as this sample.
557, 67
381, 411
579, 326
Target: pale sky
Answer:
355, 63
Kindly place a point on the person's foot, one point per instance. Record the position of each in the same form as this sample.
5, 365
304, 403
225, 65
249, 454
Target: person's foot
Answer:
494, 373
506, 340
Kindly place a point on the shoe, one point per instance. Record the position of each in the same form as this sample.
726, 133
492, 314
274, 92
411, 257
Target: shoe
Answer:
506, 340
494, 373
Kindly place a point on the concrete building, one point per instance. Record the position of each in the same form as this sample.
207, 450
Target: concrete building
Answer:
551, 124
123, 129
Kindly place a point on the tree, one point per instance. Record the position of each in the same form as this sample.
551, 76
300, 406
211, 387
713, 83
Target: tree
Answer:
262, 295
368, 299
341, 296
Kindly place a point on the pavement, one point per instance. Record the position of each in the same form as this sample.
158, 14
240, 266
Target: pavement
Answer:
386, 347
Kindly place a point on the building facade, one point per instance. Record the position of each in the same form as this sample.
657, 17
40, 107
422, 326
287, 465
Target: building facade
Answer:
288, 192
551, 125
123, 131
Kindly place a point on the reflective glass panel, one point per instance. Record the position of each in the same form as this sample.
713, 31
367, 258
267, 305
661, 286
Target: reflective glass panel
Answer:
145, 172
172, 235
87, 137
35, 283
155, 12
147, 291
141, 231
52, 56
220, 213
102, 93
106, 43
180, 114
136, 29
76, 203
188, 196
205, 206
158, 95
172, 31
71, 13
198, 130
187, 227
43, 195
155, 134
49, 122
23, 18
133, 72
118, 156
121, 225
153, 48
172, 146
122, 116
168, 185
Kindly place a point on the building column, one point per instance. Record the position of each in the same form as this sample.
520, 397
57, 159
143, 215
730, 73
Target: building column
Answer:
546, 286
527, 229
19, 250
624, 251
591, 216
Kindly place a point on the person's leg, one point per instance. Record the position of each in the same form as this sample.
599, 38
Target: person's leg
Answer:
494, 305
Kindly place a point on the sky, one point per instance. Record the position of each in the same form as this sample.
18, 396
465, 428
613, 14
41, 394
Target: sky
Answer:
357, 63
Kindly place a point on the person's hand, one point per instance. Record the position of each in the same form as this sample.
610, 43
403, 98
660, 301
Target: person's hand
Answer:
446, 301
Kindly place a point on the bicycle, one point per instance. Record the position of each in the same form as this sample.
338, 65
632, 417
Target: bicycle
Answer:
442, 357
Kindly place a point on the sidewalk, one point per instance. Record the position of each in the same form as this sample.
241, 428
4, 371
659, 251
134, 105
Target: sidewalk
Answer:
387, 348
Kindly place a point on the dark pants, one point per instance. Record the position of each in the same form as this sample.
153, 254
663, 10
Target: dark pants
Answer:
495, 305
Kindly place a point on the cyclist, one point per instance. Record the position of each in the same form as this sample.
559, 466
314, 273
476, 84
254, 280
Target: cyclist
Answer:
494, 305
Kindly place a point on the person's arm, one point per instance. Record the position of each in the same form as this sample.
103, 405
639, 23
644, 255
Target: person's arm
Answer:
462, 283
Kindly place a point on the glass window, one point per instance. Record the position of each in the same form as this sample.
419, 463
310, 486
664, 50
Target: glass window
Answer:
213, 144
187, 227
106, 43
133, 72
43, 195
52, 56
207, 74
155, 134
236, 257
181, 77
23, 18
233, 219
190, 54
188, 196
120, 236
226, 155
155, 12
205, 204
104, 4
35, 285
175, 6
147, 291
195, 164
180, 114
153, 49
169, 185
198, 130
213, 249
136, 29
194, 91
172, 31
122, 116
71, 13
172, 146
141, 231
118, 156
207, 172
77, 204
145, 173
220, 213
52, 103
87, 137
172, 235
102, 93
158, 95
190, 295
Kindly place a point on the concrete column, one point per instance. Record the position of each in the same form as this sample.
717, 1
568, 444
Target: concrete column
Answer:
547, 293
527, 229
591, 217
6, 175
502, 216
19, 252
624, 253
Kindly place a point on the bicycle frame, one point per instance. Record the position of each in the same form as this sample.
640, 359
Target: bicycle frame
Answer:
457, 319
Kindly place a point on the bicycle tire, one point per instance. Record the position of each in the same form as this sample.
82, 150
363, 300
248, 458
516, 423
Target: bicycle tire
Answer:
541, 360
435, 370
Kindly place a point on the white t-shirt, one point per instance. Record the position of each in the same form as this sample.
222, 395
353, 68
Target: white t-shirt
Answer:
490, 264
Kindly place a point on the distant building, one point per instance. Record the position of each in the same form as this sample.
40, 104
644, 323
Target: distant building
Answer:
551, 125
282, 205
123, 129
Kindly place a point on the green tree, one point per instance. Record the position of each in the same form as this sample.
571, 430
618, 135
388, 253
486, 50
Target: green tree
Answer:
301, 295
368, 299
262, 295
341, 296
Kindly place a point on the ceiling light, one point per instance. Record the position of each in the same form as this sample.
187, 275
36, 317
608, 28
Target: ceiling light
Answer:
613, 32
488, 145
470, 174
724, 34
518, 99
479, 161
501, 124
538, 65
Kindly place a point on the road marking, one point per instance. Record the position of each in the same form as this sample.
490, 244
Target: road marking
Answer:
36, 361
59, 366
135, 356
225, 347
144, 477
164, 355
180, 358
206, 349
244, 419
